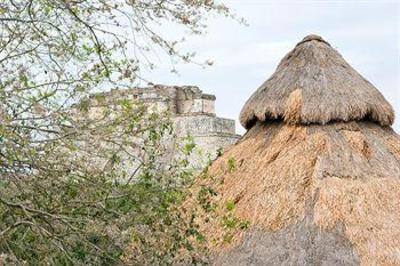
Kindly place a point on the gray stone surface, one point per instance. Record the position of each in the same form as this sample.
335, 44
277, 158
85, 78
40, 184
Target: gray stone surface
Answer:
192, 113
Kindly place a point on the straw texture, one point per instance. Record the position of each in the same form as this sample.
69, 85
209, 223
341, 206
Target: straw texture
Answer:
339, 181
316, 178
314, 84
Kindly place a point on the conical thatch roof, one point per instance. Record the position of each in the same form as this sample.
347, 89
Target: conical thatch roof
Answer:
306, 194
314, 84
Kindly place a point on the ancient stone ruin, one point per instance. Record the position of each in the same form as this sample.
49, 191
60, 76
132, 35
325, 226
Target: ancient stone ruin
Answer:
192, 113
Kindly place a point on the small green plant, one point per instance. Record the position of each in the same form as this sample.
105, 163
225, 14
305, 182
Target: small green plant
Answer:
205, 198
230, 221
189, 145
243, 225
231, 164
230, 205
231, 224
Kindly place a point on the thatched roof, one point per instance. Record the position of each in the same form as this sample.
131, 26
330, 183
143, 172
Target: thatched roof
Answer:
314, 84
312, 195
299, 190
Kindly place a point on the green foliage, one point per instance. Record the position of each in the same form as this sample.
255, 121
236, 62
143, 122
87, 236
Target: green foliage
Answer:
231, 164
189, 145
230, 205
85, 215
230, 223
205, 198
82, 185
243, 225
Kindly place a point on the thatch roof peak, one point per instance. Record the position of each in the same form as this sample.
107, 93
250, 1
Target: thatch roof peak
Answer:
312, 37
313, 84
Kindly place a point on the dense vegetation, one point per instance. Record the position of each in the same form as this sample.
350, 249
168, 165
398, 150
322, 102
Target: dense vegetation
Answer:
67, 195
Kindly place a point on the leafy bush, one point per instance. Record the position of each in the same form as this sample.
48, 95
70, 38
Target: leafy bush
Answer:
78, 204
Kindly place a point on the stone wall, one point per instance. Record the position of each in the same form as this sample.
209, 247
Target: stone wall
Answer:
192, 113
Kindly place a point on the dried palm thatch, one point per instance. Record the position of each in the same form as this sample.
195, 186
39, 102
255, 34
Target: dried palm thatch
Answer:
293, 193
314, 84
329, 193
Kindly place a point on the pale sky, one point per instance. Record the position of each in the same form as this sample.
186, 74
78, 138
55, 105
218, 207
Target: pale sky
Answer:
366, 33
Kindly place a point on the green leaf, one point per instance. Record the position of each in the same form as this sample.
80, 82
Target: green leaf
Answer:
230, 205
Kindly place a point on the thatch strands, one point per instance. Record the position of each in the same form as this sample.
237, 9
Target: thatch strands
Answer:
314, 84
317, 176
370, 210
341, 175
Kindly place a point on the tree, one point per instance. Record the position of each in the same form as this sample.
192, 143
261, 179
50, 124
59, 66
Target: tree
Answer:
64, 195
